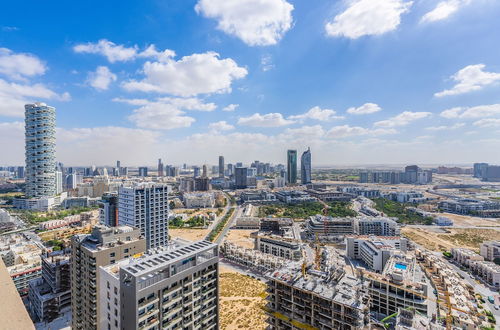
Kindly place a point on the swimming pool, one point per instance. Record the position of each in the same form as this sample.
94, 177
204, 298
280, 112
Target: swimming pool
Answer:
400, 266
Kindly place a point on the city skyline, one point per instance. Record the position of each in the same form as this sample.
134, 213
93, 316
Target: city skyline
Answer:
398, 88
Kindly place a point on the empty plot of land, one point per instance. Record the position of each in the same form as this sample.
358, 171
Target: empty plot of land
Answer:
241, 301
466, 238
189, 234
465, 220
241, 237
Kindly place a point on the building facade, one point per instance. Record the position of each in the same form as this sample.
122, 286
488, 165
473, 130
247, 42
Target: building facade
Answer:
306, 167
291, 173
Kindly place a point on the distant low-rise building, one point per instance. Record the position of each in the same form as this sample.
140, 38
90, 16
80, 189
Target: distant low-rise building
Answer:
198, 200
294, 197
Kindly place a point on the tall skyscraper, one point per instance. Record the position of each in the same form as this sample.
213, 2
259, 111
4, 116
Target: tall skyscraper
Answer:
108, 209
305, 167
118, 168
104, 246
196, 171
160, 167
205, 171
143, 171
291, 174
240, 177
40, 125
145, 206
221, 166
174, 287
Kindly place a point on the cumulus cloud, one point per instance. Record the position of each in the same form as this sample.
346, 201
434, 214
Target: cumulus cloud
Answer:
14, 96
257, 23
19, 66
101, 78
480, 111
316, 113
443, 10
267, 120
402, 119
230, 107
220, 126
190, 103
365, 109
368, 17
307, 133
343, 131
160, 116
444, 127
471, 78
489, 122
195, 74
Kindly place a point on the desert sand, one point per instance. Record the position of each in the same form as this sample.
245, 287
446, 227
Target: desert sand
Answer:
241, 237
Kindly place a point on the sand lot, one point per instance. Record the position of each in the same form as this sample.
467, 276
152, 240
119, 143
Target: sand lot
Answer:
464, 220
437, 241
189, 234
241, 299
241, 237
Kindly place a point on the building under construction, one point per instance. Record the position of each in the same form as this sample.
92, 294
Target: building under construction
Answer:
320, 296
251, 258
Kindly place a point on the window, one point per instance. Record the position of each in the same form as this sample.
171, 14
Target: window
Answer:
125, 250
116, 290
112, 254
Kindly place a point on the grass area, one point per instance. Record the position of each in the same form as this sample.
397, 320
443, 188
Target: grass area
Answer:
34, 217
335, 174
470, 237
400, 211
215, 232
196, 221
304, 210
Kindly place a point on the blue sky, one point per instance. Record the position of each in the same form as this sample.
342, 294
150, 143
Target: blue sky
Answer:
360, 81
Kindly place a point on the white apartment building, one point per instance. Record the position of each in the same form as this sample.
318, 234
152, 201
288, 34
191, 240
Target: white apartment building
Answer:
145, 206
374, 251
488, 271
199, 200
465, 256
490, 250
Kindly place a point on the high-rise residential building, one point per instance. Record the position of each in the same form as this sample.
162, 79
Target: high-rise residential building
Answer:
73, 180
160, 167
480, 170
108, 209
40, 125
240, 177
305, 167
20, 172
104, 246
143, 171
50, 296
205, 171
59, 182
221, 166
202, 184
118, 170
196, 171
230, 169
173, 287
145, 206
291, 174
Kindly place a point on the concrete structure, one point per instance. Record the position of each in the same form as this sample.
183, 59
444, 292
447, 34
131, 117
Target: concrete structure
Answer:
50, 295
488, 271
202, 184
374, 251
198, 200
145, 206
490, 250
306, 167
305, 298
291, 167
13, 313
328, 195
255, 259
103, 247
482, 208
277, 246
172, 287
40, 126
465, 257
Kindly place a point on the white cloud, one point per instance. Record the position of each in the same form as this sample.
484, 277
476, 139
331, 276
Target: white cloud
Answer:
267, 120
402, 119
191, 75
368, 17
266, 62
257, 23
20, 66
316, 113
121, 53
365, 109
343, 131
443, 10
160, 116
101, 78
220, 126
306, 133
471, 78
480, 111
489, 122
14, 96
230, 107
445, 128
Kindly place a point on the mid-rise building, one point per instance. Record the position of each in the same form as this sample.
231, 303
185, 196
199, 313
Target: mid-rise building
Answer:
480, 170
240, 177
143, 171
108, 210
104, 246
202, 184
490, 250
327, 228
374, 251
145, 206
291, 173
172, 287
306, 167
199, 200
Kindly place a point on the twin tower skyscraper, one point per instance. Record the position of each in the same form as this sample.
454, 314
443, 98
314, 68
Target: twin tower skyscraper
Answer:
305, 167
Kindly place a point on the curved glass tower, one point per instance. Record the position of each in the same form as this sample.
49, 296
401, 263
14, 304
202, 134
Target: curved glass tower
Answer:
305, 167
40, 125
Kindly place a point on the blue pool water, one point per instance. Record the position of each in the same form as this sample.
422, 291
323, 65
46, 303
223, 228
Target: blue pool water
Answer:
400, 266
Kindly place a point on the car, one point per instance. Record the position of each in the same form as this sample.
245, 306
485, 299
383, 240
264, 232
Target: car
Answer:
496, 307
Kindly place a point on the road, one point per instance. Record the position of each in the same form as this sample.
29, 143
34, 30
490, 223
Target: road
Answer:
453, 227
229, 223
